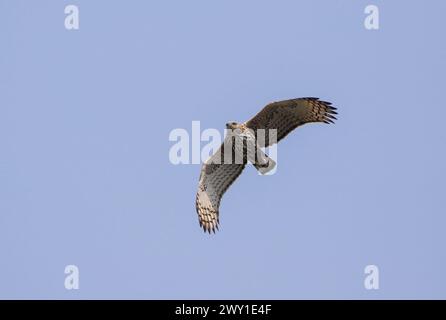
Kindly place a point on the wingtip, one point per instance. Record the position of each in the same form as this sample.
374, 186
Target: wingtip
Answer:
311, 98
208, 227
327, 103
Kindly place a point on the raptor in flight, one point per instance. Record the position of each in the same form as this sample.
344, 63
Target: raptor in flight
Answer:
244, 142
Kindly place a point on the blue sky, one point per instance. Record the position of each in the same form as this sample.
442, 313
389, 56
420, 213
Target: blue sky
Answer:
85, 177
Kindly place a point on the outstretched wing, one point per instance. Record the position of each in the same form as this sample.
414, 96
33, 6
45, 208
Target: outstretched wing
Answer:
215, 179
286, 115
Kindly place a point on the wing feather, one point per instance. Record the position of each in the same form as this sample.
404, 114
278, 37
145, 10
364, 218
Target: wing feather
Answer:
215, 178
286, 115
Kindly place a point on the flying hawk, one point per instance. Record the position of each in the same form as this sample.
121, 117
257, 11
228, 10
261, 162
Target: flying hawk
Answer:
277, 119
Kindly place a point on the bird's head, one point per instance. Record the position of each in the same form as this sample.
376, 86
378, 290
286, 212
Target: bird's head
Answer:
232, 125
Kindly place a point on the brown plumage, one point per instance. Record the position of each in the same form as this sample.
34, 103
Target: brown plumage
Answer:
216, 176
287, 115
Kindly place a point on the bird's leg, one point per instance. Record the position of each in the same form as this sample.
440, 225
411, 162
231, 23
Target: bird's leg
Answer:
261, 161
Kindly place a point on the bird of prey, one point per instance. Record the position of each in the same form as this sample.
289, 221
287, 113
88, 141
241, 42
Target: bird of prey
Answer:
274, 121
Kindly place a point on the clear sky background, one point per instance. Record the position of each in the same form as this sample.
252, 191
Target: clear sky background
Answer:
85, 177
